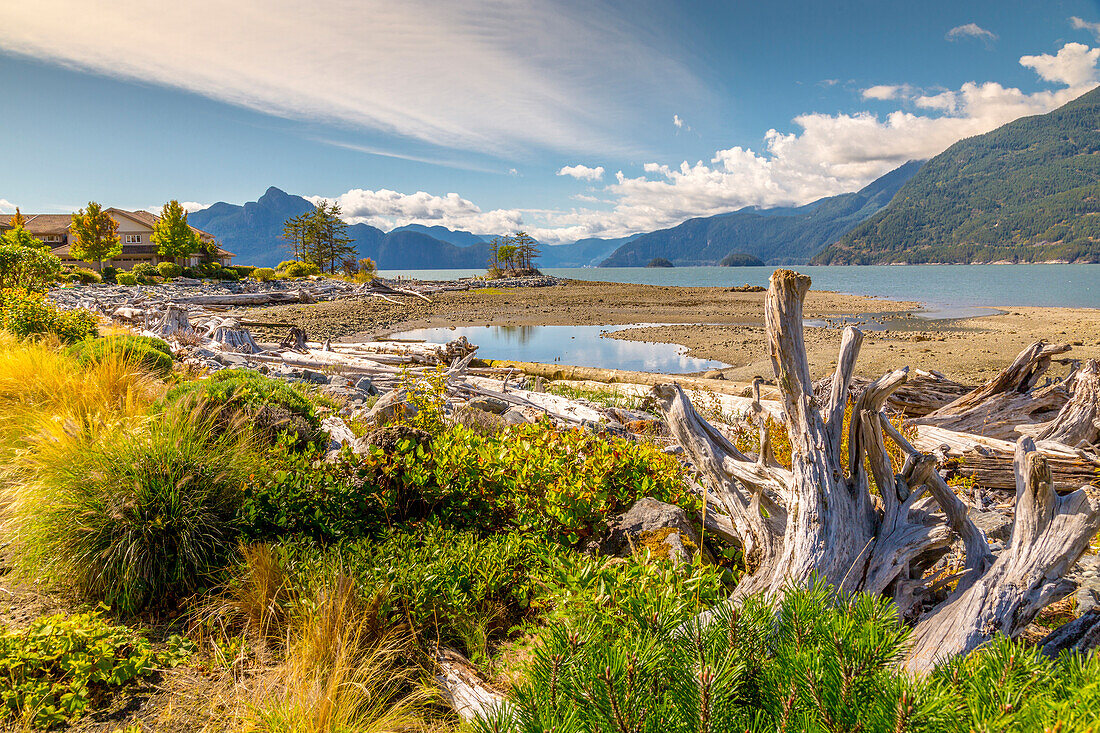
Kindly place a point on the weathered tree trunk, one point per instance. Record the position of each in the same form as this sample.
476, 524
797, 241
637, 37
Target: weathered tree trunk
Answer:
1078, 423
821, 520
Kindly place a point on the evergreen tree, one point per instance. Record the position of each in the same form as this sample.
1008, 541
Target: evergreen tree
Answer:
18, 220
319, 237
527, 249
172, 235
294, 232
94, 236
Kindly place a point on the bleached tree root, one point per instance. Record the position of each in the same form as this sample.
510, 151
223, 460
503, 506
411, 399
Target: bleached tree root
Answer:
821, 519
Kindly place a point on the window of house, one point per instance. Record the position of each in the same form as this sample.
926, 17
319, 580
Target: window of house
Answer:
50, 238
133, 239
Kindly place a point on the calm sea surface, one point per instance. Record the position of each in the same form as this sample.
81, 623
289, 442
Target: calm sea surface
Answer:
947, 290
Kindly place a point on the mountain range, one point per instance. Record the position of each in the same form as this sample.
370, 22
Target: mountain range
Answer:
776, 235
1028, 191
253, 232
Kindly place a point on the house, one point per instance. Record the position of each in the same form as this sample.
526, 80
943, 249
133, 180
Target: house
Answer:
135, 229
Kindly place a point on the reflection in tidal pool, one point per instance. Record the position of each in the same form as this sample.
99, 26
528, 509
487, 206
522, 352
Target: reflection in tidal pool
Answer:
574, 345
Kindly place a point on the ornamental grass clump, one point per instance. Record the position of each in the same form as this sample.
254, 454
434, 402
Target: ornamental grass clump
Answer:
270, 406
134, 513
151, 354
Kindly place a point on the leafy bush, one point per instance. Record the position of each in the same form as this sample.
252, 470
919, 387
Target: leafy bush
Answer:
109, 272
151, 354
54, 670
294, 268
25, 313
244, 270
270, 405
169, 269
131, 513
30, 268
227, 273
126, 278
86, 276
144, 269
527, 477
462, 586
263, 274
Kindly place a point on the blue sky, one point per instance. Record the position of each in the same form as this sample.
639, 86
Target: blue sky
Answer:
569, 119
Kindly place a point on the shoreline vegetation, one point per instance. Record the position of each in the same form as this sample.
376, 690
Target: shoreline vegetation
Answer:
207, 529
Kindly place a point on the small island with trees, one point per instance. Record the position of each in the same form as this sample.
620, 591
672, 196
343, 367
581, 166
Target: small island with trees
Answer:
659, 262
741, 259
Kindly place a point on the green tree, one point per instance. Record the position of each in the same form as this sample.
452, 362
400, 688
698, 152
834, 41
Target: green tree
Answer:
18, 236
319, 237
18, 220
527, 249
507, 253
172, 235
94, 236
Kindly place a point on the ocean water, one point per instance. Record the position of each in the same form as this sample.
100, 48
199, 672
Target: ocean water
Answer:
946, 290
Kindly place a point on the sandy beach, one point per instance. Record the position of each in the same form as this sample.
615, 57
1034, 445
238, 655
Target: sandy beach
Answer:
721, 324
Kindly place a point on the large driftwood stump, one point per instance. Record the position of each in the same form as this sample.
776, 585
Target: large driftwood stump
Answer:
862, 527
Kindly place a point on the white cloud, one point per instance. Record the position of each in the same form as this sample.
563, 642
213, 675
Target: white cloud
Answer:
582, 172
678, 121
1074, 65
1084, 25
562, 75
6, 207
887, 91
970, 30
387, 209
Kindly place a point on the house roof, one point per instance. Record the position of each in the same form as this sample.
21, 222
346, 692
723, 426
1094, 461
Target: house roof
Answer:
39, 224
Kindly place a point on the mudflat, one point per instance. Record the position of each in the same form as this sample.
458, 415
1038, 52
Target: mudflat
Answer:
716, 323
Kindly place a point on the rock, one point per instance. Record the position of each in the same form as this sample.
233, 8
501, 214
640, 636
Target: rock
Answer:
673, 450
515, 416
714, 374
663, 529
489, 404
366, 386
1080, 635
1087, 575
315, 377
996, 525
339, 381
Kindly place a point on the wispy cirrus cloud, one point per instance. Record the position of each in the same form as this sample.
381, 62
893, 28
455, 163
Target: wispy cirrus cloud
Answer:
459, 75
1084, 25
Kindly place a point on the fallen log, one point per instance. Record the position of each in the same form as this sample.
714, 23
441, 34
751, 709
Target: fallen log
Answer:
233, 299
820, 520
988, 461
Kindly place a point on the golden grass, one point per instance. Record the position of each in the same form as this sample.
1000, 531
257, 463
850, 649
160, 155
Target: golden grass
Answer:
343, 670
41, 383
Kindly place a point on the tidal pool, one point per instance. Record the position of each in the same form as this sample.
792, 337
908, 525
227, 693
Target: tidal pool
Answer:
573, 345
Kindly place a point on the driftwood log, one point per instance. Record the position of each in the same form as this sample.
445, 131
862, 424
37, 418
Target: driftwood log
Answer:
1011, 398
821, 520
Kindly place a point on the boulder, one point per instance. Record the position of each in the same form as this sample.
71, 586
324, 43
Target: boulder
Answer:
663, 529
489, 404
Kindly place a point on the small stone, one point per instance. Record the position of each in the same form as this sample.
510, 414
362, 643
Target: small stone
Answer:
489, 404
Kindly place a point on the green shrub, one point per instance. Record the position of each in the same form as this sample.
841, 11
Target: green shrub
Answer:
295, 268
169, 269
455, 586
131, 513
527, 477
151, 354
263, 274
109, 273
86, 276
126, 278
244, 270
56, 669
227, 273
271, 405
26, 313
145, 269
31, 268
